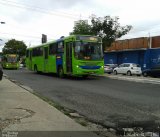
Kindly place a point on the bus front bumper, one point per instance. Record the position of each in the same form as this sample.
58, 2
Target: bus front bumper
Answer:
10, 66
79, 71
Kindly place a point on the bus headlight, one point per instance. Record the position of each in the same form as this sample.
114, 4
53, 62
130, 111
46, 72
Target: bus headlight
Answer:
102, 66
77, 66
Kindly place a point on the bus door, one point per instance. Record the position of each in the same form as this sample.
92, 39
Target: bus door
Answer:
30, 59
69, 46
45, 59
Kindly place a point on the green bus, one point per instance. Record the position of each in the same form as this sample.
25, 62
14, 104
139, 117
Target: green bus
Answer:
75, 55
10, 61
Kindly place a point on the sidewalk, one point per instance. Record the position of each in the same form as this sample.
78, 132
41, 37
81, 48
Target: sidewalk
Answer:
22, 111
134, 78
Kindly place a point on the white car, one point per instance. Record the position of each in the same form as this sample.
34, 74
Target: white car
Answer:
128, 69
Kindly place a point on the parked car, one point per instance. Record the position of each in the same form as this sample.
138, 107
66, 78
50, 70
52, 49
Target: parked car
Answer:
151, 66
1, 72
108, 68
151, 72
128, 69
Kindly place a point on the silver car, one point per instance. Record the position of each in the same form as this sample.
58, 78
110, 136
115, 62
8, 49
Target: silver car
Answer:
108, 68
128, 69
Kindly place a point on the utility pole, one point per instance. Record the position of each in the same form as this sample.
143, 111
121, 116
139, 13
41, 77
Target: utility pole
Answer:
29, 44
2, 22
44, 38
150, 41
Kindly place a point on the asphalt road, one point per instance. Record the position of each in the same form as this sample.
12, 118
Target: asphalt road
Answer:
107, 101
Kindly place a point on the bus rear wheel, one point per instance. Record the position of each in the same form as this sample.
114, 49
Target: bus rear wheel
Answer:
35, 69
60, 72
85, 76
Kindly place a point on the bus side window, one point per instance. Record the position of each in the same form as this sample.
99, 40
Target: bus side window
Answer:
27, 53
60, 47
4, 59
30, 54
37, 52
40, 51
52, 48
34, 52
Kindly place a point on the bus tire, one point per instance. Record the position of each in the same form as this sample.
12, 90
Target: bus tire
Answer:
85, 76
60, 72
35, 69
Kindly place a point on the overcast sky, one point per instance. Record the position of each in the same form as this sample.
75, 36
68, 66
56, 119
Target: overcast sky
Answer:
27, 19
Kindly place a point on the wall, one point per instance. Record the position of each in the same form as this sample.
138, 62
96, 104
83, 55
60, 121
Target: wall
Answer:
125, 57
134, 51
156, 42
131, 44
110, 58
152, 59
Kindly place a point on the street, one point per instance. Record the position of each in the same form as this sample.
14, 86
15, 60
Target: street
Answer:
103, 100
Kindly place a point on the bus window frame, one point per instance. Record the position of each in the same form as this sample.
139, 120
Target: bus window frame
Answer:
54, 50
37, 51
62, 46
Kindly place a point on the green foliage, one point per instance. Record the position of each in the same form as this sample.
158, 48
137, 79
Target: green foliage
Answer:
107, 28
15, 47
82, 27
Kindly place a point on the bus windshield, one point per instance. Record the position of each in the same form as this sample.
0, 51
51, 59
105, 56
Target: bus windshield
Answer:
12, 59
88, 50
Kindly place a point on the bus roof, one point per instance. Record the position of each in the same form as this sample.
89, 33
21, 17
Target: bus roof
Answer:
61, 39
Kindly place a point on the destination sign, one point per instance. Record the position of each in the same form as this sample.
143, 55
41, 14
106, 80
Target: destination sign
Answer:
89, 38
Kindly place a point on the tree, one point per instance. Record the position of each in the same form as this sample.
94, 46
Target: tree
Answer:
15, 47
82, 27
107, 28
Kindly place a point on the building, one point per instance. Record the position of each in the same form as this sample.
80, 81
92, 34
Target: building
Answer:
132, 50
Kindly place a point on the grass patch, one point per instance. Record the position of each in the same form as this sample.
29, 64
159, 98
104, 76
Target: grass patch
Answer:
83, 122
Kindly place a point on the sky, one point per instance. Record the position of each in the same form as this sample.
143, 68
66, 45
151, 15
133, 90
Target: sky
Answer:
27, 20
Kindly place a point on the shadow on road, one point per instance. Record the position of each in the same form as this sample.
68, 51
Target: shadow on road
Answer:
92, 77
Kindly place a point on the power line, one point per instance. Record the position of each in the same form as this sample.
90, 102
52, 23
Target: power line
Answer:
27, 5
21, 35
27, 29
38, 9
27, 36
